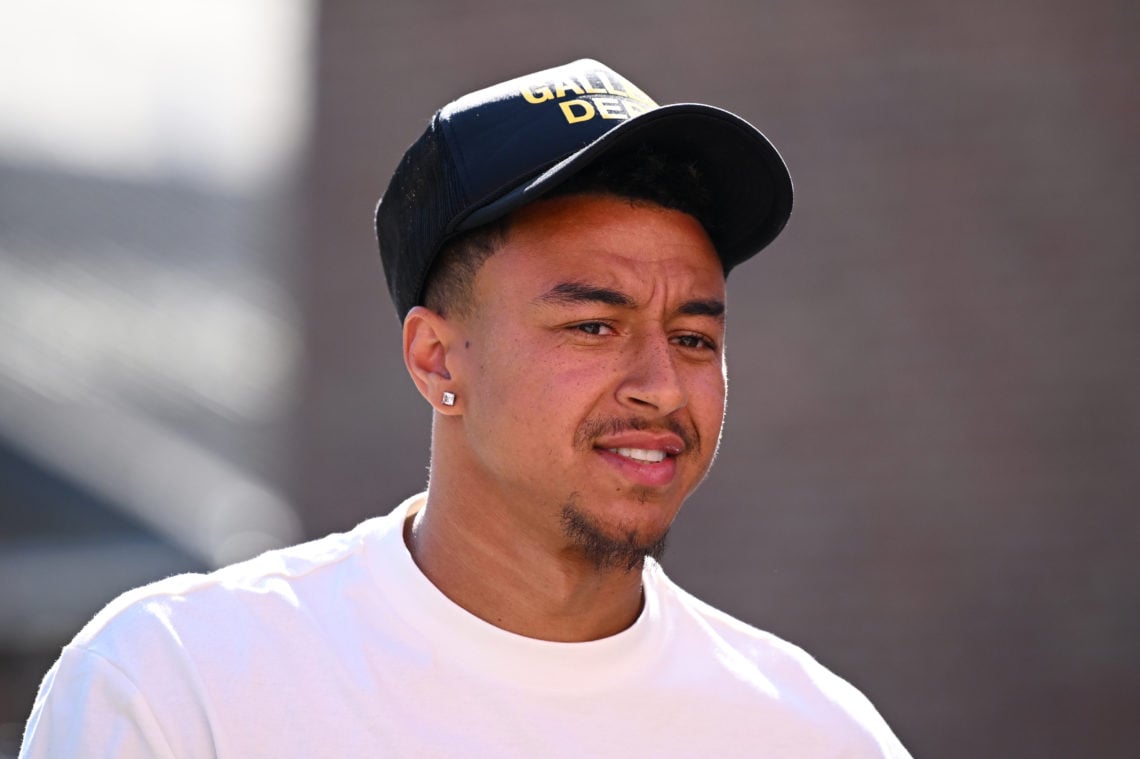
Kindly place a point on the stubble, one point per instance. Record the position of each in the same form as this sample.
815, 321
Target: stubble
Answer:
606, 552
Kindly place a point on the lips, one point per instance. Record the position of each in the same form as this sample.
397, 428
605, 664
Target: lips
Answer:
648, 459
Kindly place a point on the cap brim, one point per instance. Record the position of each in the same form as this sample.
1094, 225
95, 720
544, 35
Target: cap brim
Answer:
749, 183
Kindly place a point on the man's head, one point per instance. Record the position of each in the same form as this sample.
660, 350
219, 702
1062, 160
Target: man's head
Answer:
493, 151
570, 240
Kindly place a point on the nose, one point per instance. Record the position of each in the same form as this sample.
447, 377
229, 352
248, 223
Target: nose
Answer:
651, 379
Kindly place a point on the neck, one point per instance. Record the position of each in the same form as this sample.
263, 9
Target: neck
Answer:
511, 579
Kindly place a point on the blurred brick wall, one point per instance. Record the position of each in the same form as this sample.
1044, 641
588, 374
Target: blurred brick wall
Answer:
930, 471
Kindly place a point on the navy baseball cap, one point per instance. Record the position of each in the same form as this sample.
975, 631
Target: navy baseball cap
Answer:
495, 150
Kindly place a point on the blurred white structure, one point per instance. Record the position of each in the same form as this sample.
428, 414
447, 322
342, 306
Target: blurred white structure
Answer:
211, 91
148, 335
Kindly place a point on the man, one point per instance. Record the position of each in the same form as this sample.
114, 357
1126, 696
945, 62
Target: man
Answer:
557, 248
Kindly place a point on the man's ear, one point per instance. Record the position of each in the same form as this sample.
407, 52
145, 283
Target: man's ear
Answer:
428, 338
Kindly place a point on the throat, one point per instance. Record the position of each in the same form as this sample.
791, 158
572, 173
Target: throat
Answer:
567, 594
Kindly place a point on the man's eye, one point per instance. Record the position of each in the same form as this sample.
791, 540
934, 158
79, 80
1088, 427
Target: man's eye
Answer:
695, 341
593, 328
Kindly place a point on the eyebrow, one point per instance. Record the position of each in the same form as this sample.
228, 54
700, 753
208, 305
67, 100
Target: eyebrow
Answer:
579, 292
711, 307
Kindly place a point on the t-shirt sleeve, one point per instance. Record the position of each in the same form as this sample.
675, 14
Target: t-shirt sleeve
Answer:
86, 708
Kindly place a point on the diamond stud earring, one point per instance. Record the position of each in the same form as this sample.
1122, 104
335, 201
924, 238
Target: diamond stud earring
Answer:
448, 398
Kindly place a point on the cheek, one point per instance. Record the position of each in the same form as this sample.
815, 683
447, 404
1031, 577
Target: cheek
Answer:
534, 393
566, 377
709, 395
710, 381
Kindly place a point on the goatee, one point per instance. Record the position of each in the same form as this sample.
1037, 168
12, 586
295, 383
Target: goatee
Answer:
604, 551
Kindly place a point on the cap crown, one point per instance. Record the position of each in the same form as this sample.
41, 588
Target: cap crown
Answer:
494, 150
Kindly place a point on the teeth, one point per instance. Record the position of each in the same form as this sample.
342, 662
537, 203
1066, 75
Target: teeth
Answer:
640, 454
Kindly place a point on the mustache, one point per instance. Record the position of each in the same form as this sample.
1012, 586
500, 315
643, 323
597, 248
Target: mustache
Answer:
592, 429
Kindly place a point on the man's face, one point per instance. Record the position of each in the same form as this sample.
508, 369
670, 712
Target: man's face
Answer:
592, 373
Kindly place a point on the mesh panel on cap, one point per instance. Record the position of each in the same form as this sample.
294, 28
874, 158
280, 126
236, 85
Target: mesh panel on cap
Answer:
425, 195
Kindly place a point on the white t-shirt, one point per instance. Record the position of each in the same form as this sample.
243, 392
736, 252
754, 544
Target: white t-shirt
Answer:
342, 648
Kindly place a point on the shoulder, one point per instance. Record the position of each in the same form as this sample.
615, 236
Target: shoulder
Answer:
720, 628
286, 581
774, 668
159, 665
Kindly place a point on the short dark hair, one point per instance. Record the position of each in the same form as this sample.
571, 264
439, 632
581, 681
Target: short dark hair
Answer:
644, 175
448, 287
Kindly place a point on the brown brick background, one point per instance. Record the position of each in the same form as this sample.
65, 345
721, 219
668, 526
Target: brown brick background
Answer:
930, 471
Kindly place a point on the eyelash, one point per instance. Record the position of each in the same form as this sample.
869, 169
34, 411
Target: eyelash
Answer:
594, 328
599, 325
702, 342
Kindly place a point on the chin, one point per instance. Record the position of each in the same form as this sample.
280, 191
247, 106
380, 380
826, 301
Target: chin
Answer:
620, 547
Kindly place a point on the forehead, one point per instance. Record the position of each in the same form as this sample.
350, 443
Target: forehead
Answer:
645, 250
